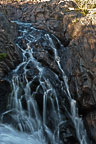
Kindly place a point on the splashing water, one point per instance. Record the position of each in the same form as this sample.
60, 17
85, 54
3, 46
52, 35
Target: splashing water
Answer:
29, 124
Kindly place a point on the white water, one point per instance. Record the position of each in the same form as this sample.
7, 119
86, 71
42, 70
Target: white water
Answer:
80, 132
9, 135
32, 126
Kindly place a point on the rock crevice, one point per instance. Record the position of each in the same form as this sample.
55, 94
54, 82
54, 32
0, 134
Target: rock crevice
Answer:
76, 31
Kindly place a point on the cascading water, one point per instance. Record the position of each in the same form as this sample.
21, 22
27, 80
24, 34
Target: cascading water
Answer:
34, 105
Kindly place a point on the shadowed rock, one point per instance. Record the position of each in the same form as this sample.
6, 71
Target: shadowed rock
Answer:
10, 57
78, 33
9, 54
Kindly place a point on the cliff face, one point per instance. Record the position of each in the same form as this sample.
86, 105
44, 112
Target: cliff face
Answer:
9, 53
77, 32
10, 57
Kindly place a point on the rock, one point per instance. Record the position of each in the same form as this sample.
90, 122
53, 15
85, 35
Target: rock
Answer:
50, 16
90, 120
10, 57
4, 92
77, 32
7, 26
83, 45
9, 53
45, 78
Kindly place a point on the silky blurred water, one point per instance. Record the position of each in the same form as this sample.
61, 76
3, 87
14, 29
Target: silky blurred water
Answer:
9, 135
30, 127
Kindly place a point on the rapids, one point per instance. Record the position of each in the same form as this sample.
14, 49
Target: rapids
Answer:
35, 114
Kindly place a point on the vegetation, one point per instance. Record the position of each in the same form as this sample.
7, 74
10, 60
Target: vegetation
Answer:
11, 1
75, 20
84, 12
83, 5
86, 4
3, 56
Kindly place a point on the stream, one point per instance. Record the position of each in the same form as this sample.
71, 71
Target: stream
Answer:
40, 107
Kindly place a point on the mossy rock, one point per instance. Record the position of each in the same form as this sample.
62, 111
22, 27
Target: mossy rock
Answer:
3, 56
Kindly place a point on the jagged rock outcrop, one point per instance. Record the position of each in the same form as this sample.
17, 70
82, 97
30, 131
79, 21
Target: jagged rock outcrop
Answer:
83, 47
9, 52
52, 16
77, 32
10, 57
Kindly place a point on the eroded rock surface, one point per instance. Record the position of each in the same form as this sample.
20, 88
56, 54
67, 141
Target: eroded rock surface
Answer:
83, 46
10, 57
77, 33
9, 53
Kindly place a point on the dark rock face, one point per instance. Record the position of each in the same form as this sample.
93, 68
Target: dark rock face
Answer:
52, 16
78, 34
50, 82
10, 57
9, 53
4, 91
85, 73
7, 26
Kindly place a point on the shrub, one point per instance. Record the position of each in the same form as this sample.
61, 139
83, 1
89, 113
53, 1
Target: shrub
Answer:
86, 4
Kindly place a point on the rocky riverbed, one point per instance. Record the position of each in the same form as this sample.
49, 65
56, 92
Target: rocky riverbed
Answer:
77, 32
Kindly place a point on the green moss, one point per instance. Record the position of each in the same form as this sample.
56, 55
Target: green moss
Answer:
3, 56
84, 12
74, 21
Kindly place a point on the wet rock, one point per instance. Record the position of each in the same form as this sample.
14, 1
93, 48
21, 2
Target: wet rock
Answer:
77, 33
90, 121
45, 79
83, 47
53, 16
10, 57
9, 54
5, 89
66, 133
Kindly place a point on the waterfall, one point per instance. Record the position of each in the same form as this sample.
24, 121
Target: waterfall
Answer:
32, 86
